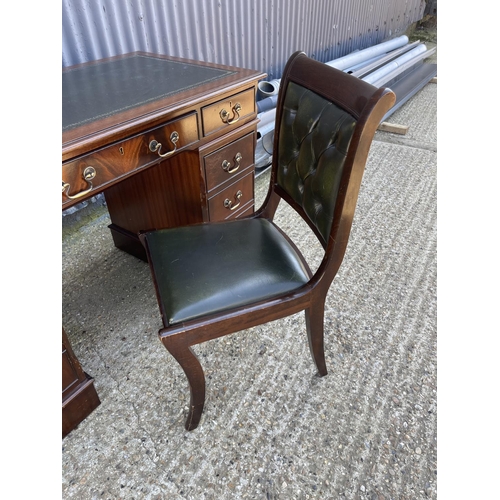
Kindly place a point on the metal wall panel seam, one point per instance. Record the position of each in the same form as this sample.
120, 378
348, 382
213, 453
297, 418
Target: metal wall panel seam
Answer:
257, 34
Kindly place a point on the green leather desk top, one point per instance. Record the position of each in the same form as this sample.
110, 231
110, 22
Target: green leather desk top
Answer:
92, 92
110, 99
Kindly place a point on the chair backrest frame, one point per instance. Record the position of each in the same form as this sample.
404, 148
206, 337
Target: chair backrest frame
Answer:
367, 105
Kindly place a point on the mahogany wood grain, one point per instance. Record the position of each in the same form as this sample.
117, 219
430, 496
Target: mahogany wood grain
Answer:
166, 195
211, 115
214, 162
114, 163
244, 185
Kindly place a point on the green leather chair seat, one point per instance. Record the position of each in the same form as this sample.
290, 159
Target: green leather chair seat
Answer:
207, 268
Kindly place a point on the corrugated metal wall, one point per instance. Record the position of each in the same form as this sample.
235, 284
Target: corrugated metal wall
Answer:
257, 34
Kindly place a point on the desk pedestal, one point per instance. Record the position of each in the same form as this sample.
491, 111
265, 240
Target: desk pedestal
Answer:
79, 397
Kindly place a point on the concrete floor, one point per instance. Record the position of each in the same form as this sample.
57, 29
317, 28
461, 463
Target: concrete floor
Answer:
271, 429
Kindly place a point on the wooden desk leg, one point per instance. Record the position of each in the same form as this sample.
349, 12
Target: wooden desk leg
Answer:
79, 397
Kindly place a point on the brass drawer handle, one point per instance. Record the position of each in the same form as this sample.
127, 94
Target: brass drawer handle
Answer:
155, 146
229, 204
226, 165
88, 174
224, 115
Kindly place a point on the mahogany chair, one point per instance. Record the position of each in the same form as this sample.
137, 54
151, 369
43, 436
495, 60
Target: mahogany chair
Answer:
214, 279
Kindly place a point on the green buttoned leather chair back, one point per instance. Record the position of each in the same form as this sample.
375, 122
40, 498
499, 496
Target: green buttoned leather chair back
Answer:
314, 139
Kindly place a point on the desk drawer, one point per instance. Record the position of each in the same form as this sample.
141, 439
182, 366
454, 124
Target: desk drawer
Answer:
89, 174
225, 113
228, 162
228, 202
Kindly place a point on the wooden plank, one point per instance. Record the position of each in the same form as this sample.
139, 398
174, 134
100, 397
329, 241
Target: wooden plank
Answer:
433, 80
393, 127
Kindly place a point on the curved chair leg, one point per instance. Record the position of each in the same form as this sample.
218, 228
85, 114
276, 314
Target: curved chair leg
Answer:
196, 378
314, 323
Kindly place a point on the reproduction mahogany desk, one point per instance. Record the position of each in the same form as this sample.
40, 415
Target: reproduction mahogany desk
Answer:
169, 142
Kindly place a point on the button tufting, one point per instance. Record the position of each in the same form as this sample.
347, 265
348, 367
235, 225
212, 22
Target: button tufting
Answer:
314, 150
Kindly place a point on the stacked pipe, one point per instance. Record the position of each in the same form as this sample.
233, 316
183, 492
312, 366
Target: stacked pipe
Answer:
377, 65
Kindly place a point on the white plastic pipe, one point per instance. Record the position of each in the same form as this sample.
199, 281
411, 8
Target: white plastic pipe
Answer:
402, 67
367, 67
368, 53
271, 88
352, 69
384, 70
266, 117
263, 131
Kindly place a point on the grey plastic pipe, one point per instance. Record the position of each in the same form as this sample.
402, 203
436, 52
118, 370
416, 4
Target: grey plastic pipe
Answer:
269, 88
267, 103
